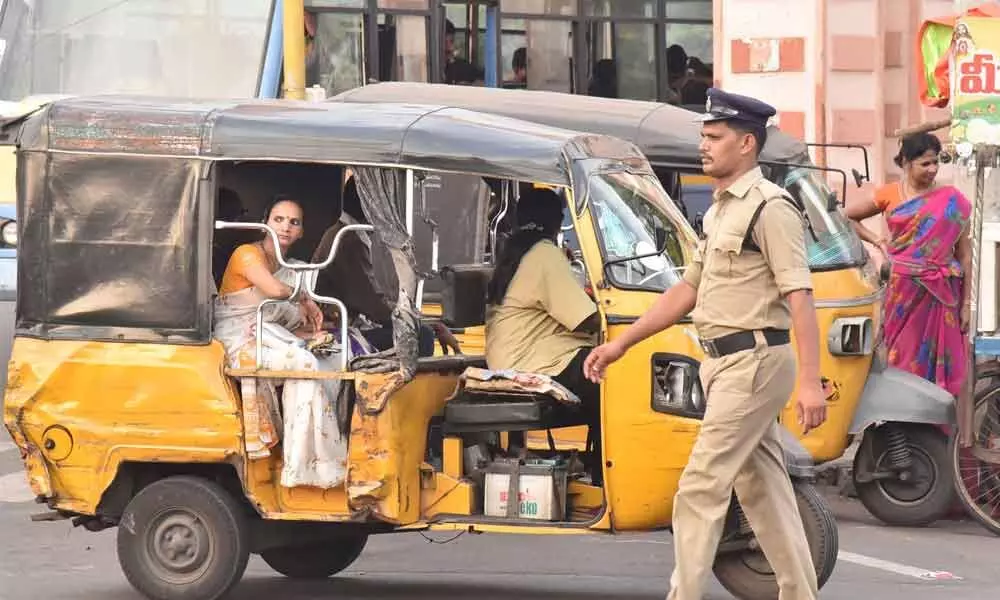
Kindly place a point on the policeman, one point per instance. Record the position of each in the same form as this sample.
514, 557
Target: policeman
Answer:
748, 285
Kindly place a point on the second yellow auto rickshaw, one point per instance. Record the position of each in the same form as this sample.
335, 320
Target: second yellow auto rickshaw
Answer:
901, 469
129, 414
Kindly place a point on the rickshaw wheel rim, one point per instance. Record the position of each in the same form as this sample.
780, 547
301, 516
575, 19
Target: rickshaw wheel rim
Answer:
179, 546
924, 475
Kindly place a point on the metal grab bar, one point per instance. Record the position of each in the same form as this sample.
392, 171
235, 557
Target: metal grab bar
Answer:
259, 338
300, 271
277, 247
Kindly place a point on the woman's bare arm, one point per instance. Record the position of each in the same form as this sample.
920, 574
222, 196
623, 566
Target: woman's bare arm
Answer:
265, 281
859, 211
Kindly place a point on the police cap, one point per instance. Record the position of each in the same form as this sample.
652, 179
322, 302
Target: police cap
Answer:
725, 106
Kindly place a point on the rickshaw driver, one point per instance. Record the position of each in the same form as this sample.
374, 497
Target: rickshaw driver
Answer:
539, 319
749, 284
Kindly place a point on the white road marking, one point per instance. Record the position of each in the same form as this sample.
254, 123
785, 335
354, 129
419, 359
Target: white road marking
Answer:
897, 568
14, 488
860, 560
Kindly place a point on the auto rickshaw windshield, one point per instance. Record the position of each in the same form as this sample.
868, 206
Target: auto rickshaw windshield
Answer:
645, 241
834, 245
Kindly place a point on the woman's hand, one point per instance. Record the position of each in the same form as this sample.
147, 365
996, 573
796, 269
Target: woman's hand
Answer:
314, 316
964, 317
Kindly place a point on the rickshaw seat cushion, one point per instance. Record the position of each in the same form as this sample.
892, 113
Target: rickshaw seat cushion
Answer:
486, 400
463, 298
507, 412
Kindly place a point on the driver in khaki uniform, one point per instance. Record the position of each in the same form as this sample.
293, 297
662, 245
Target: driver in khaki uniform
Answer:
748, 287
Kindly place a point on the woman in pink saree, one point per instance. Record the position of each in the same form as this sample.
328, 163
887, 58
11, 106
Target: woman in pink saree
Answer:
926, 307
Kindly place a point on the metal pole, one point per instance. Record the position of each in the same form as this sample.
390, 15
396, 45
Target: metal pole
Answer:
295, 49
983, 157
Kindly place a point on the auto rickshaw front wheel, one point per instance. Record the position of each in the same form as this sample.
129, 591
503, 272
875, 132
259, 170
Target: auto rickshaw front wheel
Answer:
903, 474
747, 574
183, 538
317, 560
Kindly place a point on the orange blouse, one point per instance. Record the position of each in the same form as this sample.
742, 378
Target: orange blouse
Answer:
235, 279
888, 196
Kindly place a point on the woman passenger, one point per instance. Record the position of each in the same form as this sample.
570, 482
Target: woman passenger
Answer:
539, 319
926, 308
314, 450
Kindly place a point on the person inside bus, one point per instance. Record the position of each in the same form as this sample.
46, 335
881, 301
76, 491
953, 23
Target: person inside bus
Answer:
351, 279
604, 80
538, 317
519, 64
677, 72
457, 70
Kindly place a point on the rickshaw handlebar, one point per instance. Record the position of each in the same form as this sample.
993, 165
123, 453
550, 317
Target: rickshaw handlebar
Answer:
301, 270
277, 248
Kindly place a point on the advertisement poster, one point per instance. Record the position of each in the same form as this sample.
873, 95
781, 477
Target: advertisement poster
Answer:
976, 81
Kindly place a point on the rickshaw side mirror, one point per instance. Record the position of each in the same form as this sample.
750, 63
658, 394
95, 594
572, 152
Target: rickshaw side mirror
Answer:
859, 178
661, 239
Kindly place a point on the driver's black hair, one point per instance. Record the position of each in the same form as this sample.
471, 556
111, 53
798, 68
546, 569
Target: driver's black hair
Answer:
539, 217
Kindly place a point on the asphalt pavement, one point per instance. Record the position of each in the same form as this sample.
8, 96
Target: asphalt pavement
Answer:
54, 561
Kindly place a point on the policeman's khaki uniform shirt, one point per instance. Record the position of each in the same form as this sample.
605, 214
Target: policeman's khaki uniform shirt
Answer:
741, 290
532, 331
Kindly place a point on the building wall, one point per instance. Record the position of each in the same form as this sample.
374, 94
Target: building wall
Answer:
838, 71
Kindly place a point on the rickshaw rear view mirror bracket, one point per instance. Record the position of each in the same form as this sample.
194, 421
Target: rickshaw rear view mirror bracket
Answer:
833, 204
300, 274
859, 179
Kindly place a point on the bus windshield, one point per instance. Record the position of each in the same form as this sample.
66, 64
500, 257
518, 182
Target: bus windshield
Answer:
179, 48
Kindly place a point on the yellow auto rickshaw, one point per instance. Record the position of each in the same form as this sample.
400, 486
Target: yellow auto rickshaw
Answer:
128, 414
901, 469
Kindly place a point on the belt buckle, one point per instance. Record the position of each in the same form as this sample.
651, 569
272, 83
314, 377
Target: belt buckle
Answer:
708, 346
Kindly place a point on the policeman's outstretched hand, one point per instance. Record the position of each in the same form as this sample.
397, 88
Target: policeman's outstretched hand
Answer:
599, 359
811, 405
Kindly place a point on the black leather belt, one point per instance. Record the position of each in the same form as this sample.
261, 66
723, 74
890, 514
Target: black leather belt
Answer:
743, 340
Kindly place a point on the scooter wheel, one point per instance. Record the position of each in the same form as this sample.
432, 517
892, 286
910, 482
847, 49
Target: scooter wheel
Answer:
929, 492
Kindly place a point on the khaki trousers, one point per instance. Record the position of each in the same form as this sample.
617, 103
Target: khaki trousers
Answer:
738, 448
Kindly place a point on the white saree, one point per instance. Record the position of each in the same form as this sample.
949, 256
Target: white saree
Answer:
314, 451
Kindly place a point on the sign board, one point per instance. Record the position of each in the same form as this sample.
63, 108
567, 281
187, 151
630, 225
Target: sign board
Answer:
975, 81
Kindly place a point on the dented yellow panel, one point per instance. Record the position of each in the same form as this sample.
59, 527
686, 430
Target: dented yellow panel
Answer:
113, 403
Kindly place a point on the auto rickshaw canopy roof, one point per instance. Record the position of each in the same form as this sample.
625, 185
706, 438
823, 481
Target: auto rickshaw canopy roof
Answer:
668, 135
433, 137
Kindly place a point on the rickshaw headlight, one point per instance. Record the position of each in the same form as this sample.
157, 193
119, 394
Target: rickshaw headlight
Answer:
8, 232
676, 387
851, 336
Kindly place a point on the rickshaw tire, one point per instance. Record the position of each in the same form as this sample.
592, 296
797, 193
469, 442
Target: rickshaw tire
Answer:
939, 500
745, 583
223, 521
318, 560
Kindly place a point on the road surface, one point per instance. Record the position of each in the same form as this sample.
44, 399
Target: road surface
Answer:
54, 561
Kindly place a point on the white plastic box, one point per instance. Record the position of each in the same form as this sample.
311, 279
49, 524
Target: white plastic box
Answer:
541, 490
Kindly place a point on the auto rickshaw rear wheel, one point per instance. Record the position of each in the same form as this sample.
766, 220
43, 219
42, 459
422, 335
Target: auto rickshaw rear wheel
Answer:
922, 493
183, 538
748, 575
317, 560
